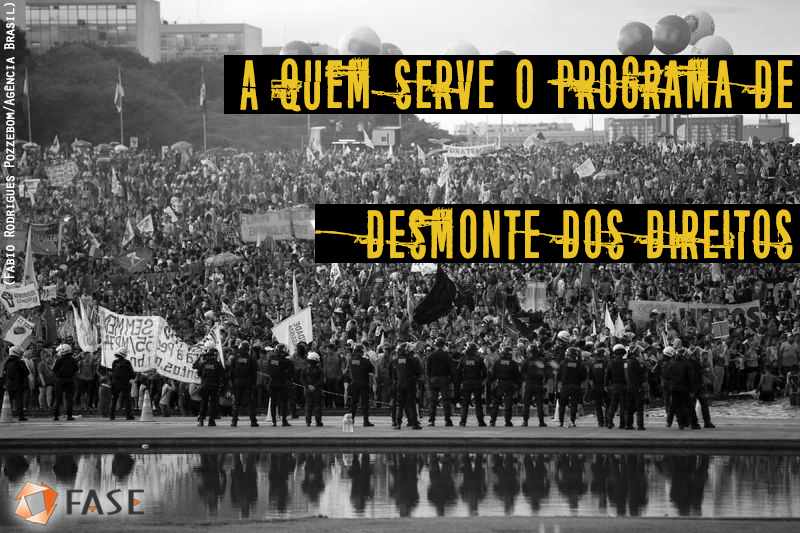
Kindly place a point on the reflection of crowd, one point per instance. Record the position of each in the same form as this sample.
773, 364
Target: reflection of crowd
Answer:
478, 484
368, 304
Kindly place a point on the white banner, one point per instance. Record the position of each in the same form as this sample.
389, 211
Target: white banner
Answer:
585, 169
535, 297
283, 224
424, 268
18, 331
61, 175
139, 334
17, 298
295, 329
468, 151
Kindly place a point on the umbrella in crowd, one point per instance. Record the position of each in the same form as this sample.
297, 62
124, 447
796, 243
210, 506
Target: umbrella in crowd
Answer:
19, 142
81, 144
120, 148
626, 139
104, 147
30, 146
784, 140
181, 146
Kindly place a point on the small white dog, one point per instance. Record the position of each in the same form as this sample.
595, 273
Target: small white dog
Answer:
347, 423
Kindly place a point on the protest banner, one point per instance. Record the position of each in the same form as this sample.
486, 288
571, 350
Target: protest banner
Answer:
585, 169
45, 238
295, 329
17, 331
61, 175
468, 151
535, 297
720, 330
641, 310
17, 298
283, 224
139, 334
174, 358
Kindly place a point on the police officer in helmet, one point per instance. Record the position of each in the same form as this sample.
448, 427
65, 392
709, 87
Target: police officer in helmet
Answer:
243, 374
406, 371
534, 375
281, 373
471, 374
312, 377
212, 380
617, 387
571, 373
506, 373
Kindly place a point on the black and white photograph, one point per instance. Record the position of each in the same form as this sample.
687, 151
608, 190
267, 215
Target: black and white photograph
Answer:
186, 346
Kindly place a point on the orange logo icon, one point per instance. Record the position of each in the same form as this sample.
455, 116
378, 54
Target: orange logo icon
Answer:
49, 503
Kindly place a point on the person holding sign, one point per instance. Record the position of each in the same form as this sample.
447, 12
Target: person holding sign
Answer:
122, 376
212, 379
243, 373
281, 373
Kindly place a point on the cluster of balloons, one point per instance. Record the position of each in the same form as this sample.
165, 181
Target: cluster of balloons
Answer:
672, 35
364, 41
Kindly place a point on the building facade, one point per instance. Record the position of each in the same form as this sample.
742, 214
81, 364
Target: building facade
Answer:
648, 129
131, 24
209, 41
766, 129
515, 134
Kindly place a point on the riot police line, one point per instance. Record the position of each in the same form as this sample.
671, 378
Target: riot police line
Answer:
615, 380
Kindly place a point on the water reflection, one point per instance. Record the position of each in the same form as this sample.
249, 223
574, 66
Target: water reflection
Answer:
251, 485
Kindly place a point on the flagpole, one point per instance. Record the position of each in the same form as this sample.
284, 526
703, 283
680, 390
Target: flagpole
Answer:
121, 127
28, 103
203, 82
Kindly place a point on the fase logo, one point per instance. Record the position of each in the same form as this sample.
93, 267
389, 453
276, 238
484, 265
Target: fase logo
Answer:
37, 502
32, 491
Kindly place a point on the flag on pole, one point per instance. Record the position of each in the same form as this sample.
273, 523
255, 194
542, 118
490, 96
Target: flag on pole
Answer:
607, 322
29, 274
594, 329
409, 302
347, 150
227, 313
129, 233
55, 147
202, 89
94, 244
295, 294
586, 276
529, 142
25, 91
171, 213
367, 140
146, 225
439, 301
420, 154
310, 155
119, 93
391, 152
335, 273
619, 327
444, 175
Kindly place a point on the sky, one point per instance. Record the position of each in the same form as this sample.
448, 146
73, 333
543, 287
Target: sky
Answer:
526, 27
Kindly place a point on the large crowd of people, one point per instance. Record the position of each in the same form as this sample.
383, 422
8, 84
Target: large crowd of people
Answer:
366, 349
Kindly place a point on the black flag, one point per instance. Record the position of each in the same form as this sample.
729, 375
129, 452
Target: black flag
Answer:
438, 301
